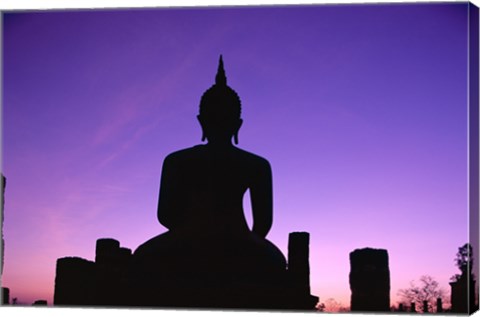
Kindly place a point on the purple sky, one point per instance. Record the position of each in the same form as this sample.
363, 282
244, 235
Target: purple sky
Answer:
361, 110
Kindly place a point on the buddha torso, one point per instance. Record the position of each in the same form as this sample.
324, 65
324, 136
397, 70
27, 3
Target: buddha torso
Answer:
206, 188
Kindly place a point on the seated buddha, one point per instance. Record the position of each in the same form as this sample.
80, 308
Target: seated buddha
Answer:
209, 256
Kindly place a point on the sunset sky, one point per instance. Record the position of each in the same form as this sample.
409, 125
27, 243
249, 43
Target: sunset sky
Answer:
360, 109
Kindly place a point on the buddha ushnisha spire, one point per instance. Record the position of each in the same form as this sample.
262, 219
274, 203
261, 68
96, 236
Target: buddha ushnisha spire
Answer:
220, 78
220, 100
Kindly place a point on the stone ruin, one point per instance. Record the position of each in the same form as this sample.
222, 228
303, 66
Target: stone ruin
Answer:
106, 281
463, 294
5, 296
369, 280
79, 282
5, 292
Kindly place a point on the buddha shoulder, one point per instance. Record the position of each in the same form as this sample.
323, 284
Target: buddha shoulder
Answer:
183, 156
254, 160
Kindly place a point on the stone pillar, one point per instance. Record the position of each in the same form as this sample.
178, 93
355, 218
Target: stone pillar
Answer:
298, 261
369, 280
3, 184
463, 294
299, 272
413, 309
111, 263
425, 306
74, 282
400, 308
439, 305
106, 251
5, 296
5, 291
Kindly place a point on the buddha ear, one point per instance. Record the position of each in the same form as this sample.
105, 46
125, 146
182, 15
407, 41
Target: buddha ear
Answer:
200, 120
240, 122
235, 135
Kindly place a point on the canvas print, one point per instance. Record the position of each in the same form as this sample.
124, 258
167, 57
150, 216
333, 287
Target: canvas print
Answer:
300, 158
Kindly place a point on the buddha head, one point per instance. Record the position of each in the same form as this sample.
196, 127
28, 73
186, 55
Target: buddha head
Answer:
220, 110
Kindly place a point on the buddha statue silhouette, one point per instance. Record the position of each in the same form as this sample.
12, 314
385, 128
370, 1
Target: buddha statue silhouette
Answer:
209, 257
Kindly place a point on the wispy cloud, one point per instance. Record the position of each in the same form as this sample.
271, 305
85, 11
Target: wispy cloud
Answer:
126, 145
137, 109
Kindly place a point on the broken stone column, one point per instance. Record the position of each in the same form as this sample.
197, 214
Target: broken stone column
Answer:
369, 280
3, 184
298, 261
439, 305
5, 296
299, 271
74, 282
106, 251
425, 306
111, 263
413, 309
463, 294
5, 291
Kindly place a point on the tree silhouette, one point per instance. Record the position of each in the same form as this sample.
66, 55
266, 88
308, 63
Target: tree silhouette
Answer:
463, 285
331, 306
428, 290
464, 261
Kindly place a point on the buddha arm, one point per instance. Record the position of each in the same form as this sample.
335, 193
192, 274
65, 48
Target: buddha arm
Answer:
167, 212
261, 199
